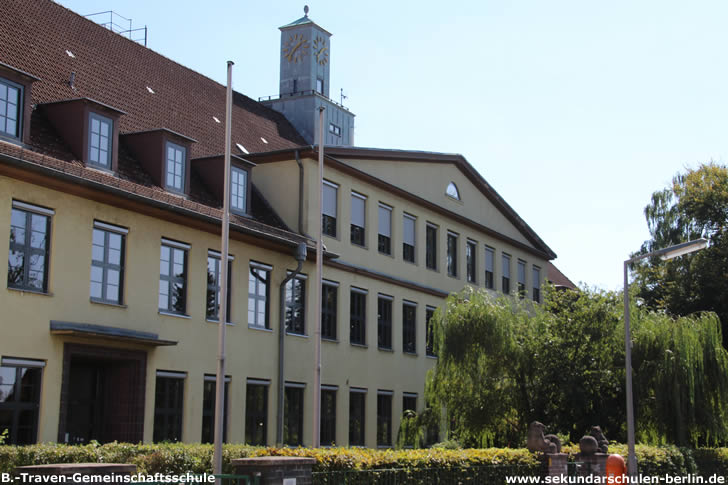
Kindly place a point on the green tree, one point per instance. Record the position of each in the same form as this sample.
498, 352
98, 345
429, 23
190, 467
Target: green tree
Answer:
695, 205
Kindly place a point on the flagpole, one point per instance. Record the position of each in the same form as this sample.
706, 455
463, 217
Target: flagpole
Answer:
222, 312
319, 281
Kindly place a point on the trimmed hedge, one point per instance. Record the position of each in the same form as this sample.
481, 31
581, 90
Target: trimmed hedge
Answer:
197, 458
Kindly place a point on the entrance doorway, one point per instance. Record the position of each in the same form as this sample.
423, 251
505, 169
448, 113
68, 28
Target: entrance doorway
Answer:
102, 396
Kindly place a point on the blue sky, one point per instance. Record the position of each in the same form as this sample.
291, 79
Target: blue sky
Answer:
575, 111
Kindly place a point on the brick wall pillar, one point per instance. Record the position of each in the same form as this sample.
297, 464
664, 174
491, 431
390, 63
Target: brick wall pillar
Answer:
555, 464
276, 470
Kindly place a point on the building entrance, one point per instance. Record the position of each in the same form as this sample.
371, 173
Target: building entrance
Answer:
102, 395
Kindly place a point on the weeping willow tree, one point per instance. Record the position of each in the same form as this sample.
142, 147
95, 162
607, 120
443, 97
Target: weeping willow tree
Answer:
503, 363
681, 379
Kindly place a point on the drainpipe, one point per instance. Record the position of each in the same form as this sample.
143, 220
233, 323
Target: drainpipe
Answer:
300, 258
300, 193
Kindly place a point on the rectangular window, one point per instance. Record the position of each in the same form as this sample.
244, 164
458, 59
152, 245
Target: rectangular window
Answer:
20, 381
208, 409
173, 277
176, 158
431, 247
384, 322
107, 263
168, 403
521, 278
328, 218
328, 415
358, 316
409, 405
334, 129
489, 267
357, 408
293, 414
256, 412
238, 190
212, 297
358, 217
430, 337
384, 418
452, 254
320, 85
11, 108
409, 326
29, 247
385, 229
408, 238
506, 262
296, 305
258, 291
329, 304
536, 275
470, 251
100, 133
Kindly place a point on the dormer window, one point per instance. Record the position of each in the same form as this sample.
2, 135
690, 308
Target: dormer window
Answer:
238, 190
175, 167
452, 191
11, 102
100, 143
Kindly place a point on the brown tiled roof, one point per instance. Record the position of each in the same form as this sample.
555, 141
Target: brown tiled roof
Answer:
116, 71
557, 278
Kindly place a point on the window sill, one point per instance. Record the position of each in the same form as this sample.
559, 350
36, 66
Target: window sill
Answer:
299, 335
261, 329
170, 314
360, 246
434, 270
361, 346
331, 340
32, 292
107, 303
214, 320
410, 262
384, 447
411, 354
429, 356
385, 349
455, 277
386, 254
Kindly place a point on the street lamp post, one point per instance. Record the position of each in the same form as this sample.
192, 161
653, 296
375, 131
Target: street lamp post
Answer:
664, 254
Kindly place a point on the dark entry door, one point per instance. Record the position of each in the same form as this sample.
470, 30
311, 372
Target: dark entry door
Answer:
87, 406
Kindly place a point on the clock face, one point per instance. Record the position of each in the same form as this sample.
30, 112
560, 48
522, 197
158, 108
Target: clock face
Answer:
295, 48
321, 50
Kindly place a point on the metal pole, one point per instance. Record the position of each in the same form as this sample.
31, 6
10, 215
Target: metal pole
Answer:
319, 289
631, 458
222, 313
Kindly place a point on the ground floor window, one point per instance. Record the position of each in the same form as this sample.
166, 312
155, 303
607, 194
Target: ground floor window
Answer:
328, 415
384, 418
293, 414
20, 381
256, 412
208, 409
168, 405
357, 407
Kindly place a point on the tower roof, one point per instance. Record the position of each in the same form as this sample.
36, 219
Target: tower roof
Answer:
305, 20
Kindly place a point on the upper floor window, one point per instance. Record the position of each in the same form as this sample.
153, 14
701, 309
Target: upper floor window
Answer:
408, 238
258, 290
329, 304
176, 157
385, 229
409, 327
334, 129
328, 218
358, 218
238, 190
173, 277
506, 279
213, 296
107, 262
320, 85
11, 102
358, 316
29, 247
452, 191
100, 131
429, 331
521, 278
384, 321
489, 267
536, 284
452, 254
470, 250
296, 305
431, 246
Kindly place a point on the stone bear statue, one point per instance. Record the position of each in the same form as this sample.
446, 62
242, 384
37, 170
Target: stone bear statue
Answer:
536, 441
594, 442
602, 441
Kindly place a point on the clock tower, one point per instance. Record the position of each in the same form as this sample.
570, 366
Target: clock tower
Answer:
304, 84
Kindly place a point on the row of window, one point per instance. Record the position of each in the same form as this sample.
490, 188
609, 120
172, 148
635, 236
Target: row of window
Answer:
384, 243
20, 386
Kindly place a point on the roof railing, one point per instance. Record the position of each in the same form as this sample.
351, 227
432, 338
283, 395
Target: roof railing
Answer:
123, 30
295, 94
